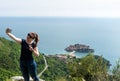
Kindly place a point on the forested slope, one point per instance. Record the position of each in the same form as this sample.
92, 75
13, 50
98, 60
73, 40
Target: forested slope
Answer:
90, 68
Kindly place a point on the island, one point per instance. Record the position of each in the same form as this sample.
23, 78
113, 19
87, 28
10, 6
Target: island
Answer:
79, 48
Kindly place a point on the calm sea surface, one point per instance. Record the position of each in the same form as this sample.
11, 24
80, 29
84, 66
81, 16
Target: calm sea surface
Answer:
101, 34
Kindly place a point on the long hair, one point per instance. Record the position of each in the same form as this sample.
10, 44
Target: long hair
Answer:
36, 38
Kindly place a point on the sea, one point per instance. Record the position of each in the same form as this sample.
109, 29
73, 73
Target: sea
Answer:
57, 33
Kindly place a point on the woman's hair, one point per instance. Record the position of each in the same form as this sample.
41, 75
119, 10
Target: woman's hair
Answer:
36, 38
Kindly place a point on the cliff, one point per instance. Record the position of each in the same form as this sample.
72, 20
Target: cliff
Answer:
79, 48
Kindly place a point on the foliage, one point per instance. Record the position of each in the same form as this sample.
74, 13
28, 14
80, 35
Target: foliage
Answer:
116, 71
61, 79
56, 68
9, 52
9, 58
9, 62
88, 68
5, 74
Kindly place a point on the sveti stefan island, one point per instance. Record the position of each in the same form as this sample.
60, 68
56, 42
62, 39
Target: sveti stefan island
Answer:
79, 48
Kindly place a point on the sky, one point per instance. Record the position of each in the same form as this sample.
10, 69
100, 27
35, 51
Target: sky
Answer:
61, 8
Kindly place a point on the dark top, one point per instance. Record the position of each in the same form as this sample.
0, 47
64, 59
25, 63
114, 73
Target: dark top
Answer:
26, 54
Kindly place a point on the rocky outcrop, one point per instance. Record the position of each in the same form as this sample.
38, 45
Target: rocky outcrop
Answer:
79, 48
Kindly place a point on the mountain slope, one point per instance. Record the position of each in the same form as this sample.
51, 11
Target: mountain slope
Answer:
9, 58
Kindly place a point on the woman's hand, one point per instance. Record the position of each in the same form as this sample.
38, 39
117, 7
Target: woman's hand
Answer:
31, 48
34, 50
8, 30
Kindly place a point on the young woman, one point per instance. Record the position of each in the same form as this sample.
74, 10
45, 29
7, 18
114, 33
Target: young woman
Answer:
28, 48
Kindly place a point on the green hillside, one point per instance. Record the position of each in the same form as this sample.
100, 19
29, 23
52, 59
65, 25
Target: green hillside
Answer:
9, 62
89, 68
9, 59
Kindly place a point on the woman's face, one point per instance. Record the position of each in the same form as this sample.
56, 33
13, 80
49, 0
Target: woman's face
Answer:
30, 36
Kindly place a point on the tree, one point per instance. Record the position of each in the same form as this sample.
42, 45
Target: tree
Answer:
89, 68
116, 72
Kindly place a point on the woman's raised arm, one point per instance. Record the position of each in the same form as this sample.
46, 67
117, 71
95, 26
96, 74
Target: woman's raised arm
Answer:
8, 32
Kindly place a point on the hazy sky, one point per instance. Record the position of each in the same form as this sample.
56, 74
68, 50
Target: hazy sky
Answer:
72, 8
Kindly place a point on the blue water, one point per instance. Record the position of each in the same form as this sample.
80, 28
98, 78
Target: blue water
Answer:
101, 34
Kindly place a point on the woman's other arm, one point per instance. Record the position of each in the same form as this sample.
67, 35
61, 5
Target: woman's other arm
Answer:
35, 50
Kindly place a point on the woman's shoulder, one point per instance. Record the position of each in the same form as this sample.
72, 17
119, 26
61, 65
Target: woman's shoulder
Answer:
23, 40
